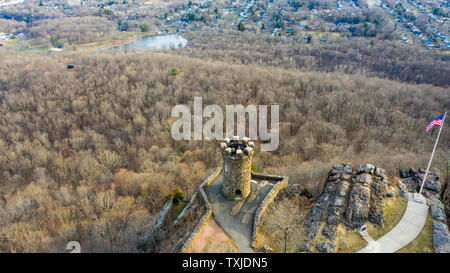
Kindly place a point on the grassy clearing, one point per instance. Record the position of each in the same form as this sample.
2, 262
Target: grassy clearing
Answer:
394, 208
424, 242
318, 239
348, 241
119, 38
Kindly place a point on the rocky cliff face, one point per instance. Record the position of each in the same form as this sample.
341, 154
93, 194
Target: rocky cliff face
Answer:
352, 197
441, 237
410, 181
172, 227
413, 178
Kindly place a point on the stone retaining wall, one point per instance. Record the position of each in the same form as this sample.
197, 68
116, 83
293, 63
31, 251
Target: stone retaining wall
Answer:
281, 184
157, 231
208, 213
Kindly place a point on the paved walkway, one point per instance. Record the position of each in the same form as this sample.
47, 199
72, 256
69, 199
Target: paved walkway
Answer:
372, 245
403, 233
239, 225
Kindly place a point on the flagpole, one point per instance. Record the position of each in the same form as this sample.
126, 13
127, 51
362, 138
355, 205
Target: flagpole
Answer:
432, 154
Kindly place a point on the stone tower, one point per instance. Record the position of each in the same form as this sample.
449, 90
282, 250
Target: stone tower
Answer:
237, 157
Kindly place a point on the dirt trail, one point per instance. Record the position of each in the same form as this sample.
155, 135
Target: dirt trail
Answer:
212, 239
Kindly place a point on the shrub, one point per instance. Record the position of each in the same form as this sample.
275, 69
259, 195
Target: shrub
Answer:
174, 71
144, 27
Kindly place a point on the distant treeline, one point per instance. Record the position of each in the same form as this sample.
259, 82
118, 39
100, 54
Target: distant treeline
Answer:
382, 58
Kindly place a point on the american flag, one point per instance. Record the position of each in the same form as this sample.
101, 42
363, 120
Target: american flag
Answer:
437, 122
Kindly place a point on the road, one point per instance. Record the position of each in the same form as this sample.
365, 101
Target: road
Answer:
11, 3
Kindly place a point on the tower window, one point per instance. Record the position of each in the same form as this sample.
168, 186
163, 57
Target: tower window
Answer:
238, 194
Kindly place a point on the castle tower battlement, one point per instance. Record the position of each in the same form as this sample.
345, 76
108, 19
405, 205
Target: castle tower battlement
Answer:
237, 157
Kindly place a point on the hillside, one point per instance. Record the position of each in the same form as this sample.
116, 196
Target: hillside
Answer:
383, 59
65, 134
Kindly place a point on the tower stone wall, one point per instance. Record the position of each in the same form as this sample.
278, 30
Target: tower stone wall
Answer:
237, 157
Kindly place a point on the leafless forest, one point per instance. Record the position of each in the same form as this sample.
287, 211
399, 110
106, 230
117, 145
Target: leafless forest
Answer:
383, 59
86, 154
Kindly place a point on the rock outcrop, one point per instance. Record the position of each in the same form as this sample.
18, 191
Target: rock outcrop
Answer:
437, 208
326, 247
413, 178
441, 237
331, 205
157, 232
410, 182
349, 197
172, 227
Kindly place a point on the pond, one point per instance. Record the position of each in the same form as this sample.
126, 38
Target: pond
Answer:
160, 42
